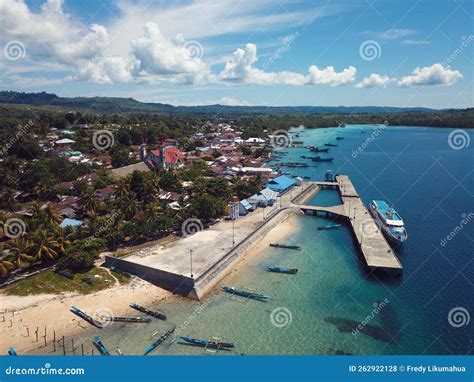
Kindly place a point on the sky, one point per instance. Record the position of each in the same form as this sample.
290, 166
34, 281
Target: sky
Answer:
267, 52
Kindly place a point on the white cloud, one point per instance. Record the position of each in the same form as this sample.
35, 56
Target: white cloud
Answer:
157, 55
374, 80
229, 101
240, 70
435, 74
50, 33
329, 76
416, 42
391, 34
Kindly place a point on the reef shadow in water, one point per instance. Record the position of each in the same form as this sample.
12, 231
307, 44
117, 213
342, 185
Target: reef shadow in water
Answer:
350, 326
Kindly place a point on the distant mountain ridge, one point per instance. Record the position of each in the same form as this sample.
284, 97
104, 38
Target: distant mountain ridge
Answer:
127, 105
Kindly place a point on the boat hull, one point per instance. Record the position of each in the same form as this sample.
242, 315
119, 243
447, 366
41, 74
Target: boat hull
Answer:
397, 238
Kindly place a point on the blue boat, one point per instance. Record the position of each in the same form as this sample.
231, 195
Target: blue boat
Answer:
243, 293
159, 341
86, 317
100, 346
12, 351
290, 271
331, 226
207, 344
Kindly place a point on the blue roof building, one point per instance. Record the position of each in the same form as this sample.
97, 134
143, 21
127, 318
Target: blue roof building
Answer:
281, 184
245, 207
70, 223
266, 197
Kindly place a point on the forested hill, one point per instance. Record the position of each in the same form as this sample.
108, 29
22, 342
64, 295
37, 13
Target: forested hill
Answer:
125, 105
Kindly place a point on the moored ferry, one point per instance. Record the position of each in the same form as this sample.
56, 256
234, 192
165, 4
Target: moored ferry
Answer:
390, 221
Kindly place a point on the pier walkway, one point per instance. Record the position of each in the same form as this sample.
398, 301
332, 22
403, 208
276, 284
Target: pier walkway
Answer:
374, 247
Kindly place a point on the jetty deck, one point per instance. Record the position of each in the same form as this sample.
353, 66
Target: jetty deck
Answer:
374, 247
214, 250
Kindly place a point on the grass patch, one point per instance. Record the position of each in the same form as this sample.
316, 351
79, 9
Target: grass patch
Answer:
49, 282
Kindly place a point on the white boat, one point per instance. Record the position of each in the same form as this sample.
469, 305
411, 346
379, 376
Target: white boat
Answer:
390, 221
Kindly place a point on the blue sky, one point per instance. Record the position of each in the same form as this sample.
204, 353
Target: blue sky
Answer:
394, 53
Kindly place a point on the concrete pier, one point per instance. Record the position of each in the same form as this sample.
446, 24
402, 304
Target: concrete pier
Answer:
377, 253
217, 249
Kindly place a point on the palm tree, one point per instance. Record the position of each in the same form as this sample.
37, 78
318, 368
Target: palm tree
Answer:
44, 245
51, 217
5, 267
89, 201
4, 216
64, 240
42, 191
122, 189
20, 251
129, 205
36, 214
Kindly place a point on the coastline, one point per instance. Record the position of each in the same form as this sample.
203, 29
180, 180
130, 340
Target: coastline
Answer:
52, 311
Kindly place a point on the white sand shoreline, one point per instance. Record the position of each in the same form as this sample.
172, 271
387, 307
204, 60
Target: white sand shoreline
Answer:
52, 311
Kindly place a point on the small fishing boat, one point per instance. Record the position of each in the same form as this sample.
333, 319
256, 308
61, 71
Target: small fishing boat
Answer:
159, 341
86, 317
100, 346
339, 138
290, 271
318, 150
321, 159
244, 293
285, 246
12, 351
330, 145
207, 344
329, 177
148, 311
331, 226
128, 319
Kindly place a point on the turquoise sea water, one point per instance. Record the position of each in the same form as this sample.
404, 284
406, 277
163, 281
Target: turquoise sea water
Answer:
315, 311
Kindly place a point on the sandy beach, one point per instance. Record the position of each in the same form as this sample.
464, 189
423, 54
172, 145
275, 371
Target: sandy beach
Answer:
22, 316
26, 314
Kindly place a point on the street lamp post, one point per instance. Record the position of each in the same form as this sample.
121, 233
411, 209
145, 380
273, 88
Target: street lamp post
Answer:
191, 261
233, 232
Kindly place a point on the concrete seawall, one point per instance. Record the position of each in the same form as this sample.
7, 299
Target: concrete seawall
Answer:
198, 287
172, 282
205, 282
